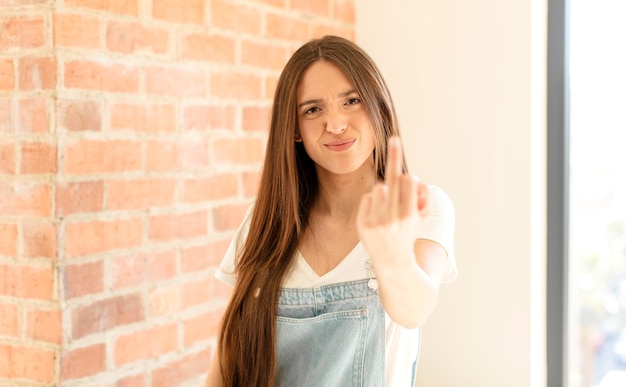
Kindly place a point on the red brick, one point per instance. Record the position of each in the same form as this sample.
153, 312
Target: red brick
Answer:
238, 151
92, 156
236, 85
176, 81
176, 373
251, 184
22, 32
197, 292
198, 258
80, 115
228, 217
133, 37
328, 28
9, 3
38, 73
178, 226
132, 381
32, 116
26, 281
44, 325
82, 362
104, 315
287, 28
8, 239
215, 187
145, 267
263, 55
83, 279
270, 87
103, 75
126, 7
24, 198
7, 158
144, 118
77, 197
75, 30
29, 363
236, 17
97, 236
141, 194
7, 74
162, 156
209, 117
201, 328
9, 323
146, 344
256, 118
213, 48
38, 158
7, 119
164, 301
343, 10
189, 11
318, 7
39, 240
175, 156
274, 3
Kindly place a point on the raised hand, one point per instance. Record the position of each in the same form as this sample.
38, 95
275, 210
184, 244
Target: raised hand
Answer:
388, 217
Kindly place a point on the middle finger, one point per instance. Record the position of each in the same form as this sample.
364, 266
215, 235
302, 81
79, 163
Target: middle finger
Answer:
393, 173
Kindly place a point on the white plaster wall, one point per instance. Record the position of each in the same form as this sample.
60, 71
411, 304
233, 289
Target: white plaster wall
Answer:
468, 80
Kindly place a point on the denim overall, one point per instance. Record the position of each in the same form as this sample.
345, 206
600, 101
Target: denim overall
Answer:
333, 335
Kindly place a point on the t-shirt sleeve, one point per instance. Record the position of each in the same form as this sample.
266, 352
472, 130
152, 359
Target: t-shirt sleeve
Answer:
438, 226
226, 271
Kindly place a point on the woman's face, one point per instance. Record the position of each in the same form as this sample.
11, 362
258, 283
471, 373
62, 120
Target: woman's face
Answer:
335, 128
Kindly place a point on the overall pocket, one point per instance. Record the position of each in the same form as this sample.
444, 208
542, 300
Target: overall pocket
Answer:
326, 350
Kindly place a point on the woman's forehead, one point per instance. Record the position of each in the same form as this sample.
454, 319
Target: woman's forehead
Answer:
323, 79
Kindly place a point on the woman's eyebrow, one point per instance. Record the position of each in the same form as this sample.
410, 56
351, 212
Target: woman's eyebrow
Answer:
309, 102
314, 101
347, 93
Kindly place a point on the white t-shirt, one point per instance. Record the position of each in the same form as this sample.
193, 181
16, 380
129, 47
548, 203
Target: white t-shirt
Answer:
401, 344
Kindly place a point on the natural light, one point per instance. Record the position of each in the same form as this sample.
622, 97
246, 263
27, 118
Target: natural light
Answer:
597, 285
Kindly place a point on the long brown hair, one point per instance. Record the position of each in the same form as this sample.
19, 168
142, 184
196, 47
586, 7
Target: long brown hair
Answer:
288, 187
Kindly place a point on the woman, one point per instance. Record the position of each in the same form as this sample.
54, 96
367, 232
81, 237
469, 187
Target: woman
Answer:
338, 263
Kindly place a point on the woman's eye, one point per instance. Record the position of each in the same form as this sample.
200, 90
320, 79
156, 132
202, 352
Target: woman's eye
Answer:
312, 110
353, 101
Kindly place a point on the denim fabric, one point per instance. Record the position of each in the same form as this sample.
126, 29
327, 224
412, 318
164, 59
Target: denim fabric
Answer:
333, 335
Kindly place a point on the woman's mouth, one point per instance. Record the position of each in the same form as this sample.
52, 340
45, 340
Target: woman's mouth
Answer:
340, 145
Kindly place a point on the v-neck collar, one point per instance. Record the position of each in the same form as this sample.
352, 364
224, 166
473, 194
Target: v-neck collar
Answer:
302, 262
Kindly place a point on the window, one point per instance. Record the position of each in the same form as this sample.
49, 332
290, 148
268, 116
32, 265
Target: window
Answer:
587, 194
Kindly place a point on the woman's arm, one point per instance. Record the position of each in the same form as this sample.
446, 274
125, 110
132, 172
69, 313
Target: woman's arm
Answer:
409, 292
214, 379
408, 271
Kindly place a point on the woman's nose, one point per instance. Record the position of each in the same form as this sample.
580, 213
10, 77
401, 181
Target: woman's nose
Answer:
335, 122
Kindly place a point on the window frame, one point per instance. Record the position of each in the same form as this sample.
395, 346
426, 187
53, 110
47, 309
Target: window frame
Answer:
557, 193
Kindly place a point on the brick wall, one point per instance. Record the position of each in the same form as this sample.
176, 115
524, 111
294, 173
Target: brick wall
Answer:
132, 134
